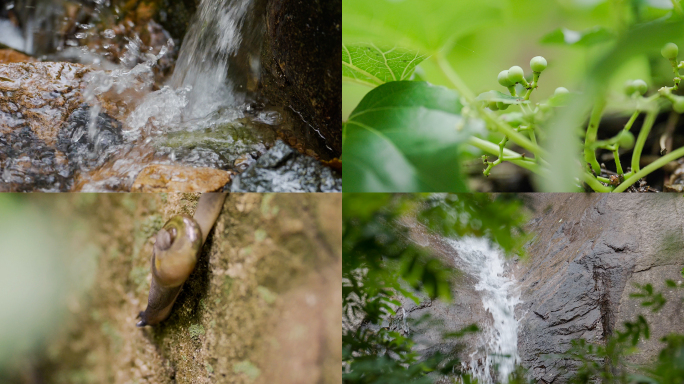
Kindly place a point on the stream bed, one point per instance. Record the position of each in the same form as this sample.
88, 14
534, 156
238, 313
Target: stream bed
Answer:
111, 101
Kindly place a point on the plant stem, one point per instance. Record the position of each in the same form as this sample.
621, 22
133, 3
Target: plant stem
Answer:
641, 140
493, 149
595, 184
533, 85
590, 138
491, 118
618, 166
674, 155
628, 126
616, 153
454, 78
498, 161
514, 136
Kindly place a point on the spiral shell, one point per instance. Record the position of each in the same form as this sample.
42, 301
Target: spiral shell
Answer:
176, 249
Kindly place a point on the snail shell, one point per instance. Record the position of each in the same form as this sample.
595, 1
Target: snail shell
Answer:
174, 256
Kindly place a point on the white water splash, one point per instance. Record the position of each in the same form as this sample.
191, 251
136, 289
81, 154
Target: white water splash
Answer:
213, 38
477, 257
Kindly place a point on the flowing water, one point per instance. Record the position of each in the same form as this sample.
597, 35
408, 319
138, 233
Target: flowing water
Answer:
209, 95
478, 258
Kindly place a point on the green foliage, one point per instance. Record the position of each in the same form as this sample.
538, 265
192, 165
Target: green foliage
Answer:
652, 299
669, 369
404, 136
500, 218
380, 264
548, 138
370, 64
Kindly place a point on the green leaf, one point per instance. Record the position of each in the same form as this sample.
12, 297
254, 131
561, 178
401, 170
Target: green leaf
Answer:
376, 65
502, 97
404, 136
584, 38
426, 25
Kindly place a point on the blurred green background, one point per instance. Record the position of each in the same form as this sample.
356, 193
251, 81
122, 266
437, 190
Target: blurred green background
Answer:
482, 38
46, 264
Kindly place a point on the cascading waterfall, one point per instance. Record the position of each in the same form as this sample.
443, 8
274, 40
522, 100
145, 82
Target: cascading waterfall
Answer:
200, 84
213, 39
477, 257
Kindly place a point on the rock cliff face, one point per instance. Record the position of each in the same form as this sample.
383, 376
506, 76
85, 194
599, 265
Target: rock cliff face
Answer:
587, 254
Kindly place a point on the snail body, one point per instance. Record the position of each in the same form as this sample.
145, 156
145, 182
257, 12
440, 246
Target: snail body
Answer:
176, 249
174, 256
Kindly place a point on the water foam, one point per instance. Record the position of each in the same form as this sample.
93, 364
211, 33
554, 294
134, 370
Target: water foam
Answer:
479, 258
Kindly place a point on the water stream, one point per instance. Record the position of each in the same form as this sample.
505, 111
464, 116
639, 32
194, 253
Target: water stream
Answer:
203, 114
478, 258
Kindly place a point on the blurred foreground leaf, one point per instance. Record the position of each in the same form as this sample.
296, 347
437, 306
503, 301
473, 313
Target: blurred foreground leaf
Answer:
584, 38
427, 25
404, 137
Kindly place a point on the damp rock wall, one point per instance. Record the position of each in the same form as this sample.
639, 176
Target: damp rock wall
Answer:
262, 306
587, 254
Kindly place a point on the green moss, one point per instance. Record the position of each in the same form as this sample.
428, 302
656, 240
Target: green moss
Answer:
266, 208
228, 140
209, 368
138, 277
80, 376
113, 335
95, 315
259, 235
266, 294
145, 229
86, 201
130, 203
150, 225
227, 285
247, 368
196, 331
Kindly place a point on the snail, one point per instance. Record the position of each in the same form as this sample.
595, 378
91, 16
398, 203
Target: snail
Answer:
176, 249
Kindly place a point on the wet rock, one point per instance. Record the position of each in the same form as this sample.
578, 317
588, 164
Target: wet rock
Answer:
12, 56
28, 164
84, 149
171, 178
35, 101
228, 146
282, 169
302, 65
41, 95
588, 253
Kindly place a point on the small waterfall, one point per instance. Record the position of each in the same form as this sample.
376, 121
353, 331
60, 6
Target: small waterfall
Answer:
478, 258
210, 45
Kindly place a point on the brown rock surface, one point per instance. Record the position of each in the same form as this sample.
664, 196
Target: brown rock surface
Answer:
41, 95
12, 56
267, 287
163, 178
